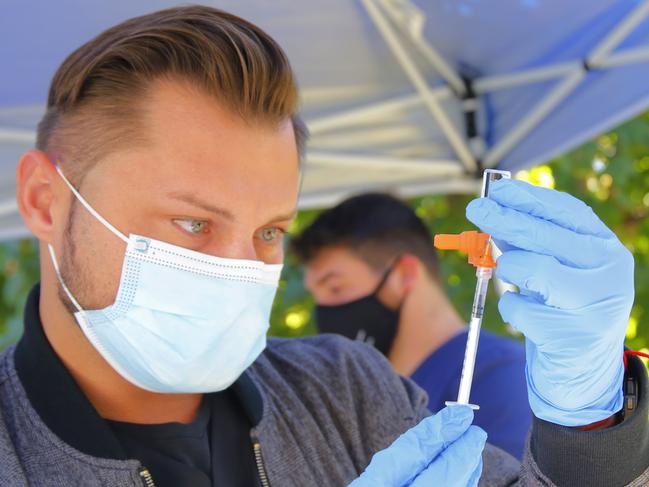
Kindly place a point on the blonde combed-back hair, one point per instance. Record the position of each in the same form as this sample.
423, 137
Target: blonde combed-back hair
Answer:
94, 103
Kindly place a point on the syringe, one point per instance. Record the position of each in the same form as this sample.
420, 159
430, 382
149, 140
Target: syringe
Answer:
478, 246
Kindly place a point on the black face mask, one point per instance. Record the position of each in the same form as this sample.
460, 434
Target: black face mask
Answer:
366, 319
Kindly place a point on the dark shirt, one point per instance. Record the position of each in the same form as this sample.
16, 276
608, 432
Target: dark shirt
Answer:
183, 454
216, 444
499, 386
174, 453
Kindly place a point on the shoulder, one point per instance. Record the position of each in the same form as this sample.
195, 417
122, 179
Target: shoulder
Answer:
325, 353
11, 472
337, 376
10, 390
328, 352
342, 364
6, 364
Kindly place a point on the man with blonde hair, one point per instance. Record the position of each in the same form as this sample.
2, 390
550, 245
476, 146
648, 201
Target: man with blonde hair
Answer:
165, 175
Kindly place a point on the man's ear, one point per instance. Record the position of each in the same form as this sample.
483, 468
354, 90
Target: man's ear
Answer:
35, 193
408, 268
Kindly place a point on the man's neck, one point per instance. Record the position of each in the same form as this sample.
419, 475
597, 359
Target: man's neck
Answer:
112, 396
427, 321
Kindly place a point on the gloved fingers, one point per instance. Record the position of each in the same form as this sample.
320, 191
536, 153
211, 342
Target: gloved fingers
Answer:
560, 208
414, 450
537, 235
537, 321
550, 282
572, 332
460, 465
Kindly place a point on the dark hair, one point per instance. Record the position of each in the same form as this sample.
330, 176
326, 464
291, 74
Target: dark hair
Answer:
95, 98
376, 227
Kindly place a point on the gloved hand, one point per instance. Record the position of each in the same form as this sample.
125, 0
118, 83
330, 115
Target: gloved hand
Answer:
576, 292
441, 450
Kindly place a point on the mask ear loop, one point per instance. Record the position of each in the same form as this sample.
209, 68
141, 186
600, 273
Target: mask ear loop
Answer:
87, 206
386, 274
60, 278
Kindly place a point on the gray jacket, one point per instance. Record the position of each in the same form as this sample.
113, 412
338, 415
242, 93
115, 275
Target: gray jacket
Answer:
328, 405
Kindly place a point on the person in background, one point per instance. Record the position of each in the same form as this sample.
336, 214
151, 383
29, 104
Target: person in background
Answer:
372, 269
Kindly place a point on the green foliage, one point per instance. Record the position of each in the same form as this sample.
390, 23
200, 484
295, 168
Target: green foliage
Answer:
610, 173
19, 263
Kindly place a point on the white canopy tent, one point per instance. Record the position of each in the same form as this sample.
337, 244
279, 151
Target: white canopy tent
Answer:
406, 95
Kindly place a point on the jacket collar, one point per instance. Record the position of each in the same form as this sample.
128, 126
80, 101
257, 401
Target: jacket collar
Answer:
61, 404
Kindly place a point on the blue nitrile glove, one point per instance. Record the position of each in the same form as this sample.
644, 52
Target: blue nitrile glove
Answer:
576, 292
441, 450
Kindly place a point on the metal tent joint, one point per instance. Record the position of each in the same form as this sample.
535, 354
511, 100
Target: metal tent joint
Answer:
470, 106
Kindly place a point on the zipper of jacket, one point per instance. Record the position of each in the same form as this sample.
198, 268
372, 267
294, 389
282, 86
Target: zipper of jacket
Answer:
256, 448
146, 477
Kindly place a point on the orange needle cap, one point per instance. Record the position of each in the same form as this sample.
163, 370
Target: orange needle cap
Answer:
472, 243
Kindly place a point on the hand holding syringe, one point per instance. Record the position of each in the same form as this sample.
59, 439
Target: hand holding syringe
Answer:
478, 247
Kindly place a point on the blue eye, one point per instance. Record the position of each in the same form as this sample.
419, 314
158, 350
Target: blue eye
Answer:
192, 226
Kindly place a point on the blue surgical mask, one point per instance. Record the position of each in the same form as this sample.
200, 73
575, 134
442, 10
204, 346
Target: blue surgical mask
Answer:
182, 321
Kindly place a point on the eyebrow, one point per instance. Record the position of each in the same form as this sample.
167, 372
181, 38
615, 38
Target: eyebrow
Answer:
194, 201
227, 214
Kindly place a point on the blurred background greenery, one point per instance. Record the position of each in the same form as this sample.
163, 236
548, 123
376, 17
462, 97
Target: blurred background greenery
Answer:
610, 173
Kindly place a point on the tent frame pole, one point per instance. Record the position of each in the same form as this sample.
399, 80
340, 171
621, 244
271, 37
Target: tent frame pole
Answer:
567, 86
487, 84
15, 135
416, 78
408, 15
432, 166
371, 112
535, 75
8, 207
628, 56
617, 35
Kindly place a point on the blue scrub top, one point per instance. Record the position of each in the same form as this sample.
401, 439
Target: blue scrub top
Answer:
499, 386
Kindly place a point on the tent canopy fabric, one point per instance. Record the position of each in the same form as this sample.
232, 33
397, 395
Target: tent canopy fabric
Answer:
410, 96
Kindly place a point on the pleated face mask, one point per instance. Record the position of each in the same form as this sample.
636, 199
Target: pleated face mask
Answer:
182, 321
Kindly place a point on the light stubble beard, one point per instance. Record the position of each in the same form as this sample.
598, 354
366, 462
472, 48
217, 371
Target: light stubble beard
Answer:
73, 272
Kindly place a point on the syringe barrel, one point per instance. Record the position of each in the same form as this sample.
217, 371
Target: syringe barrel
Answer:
483, 275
